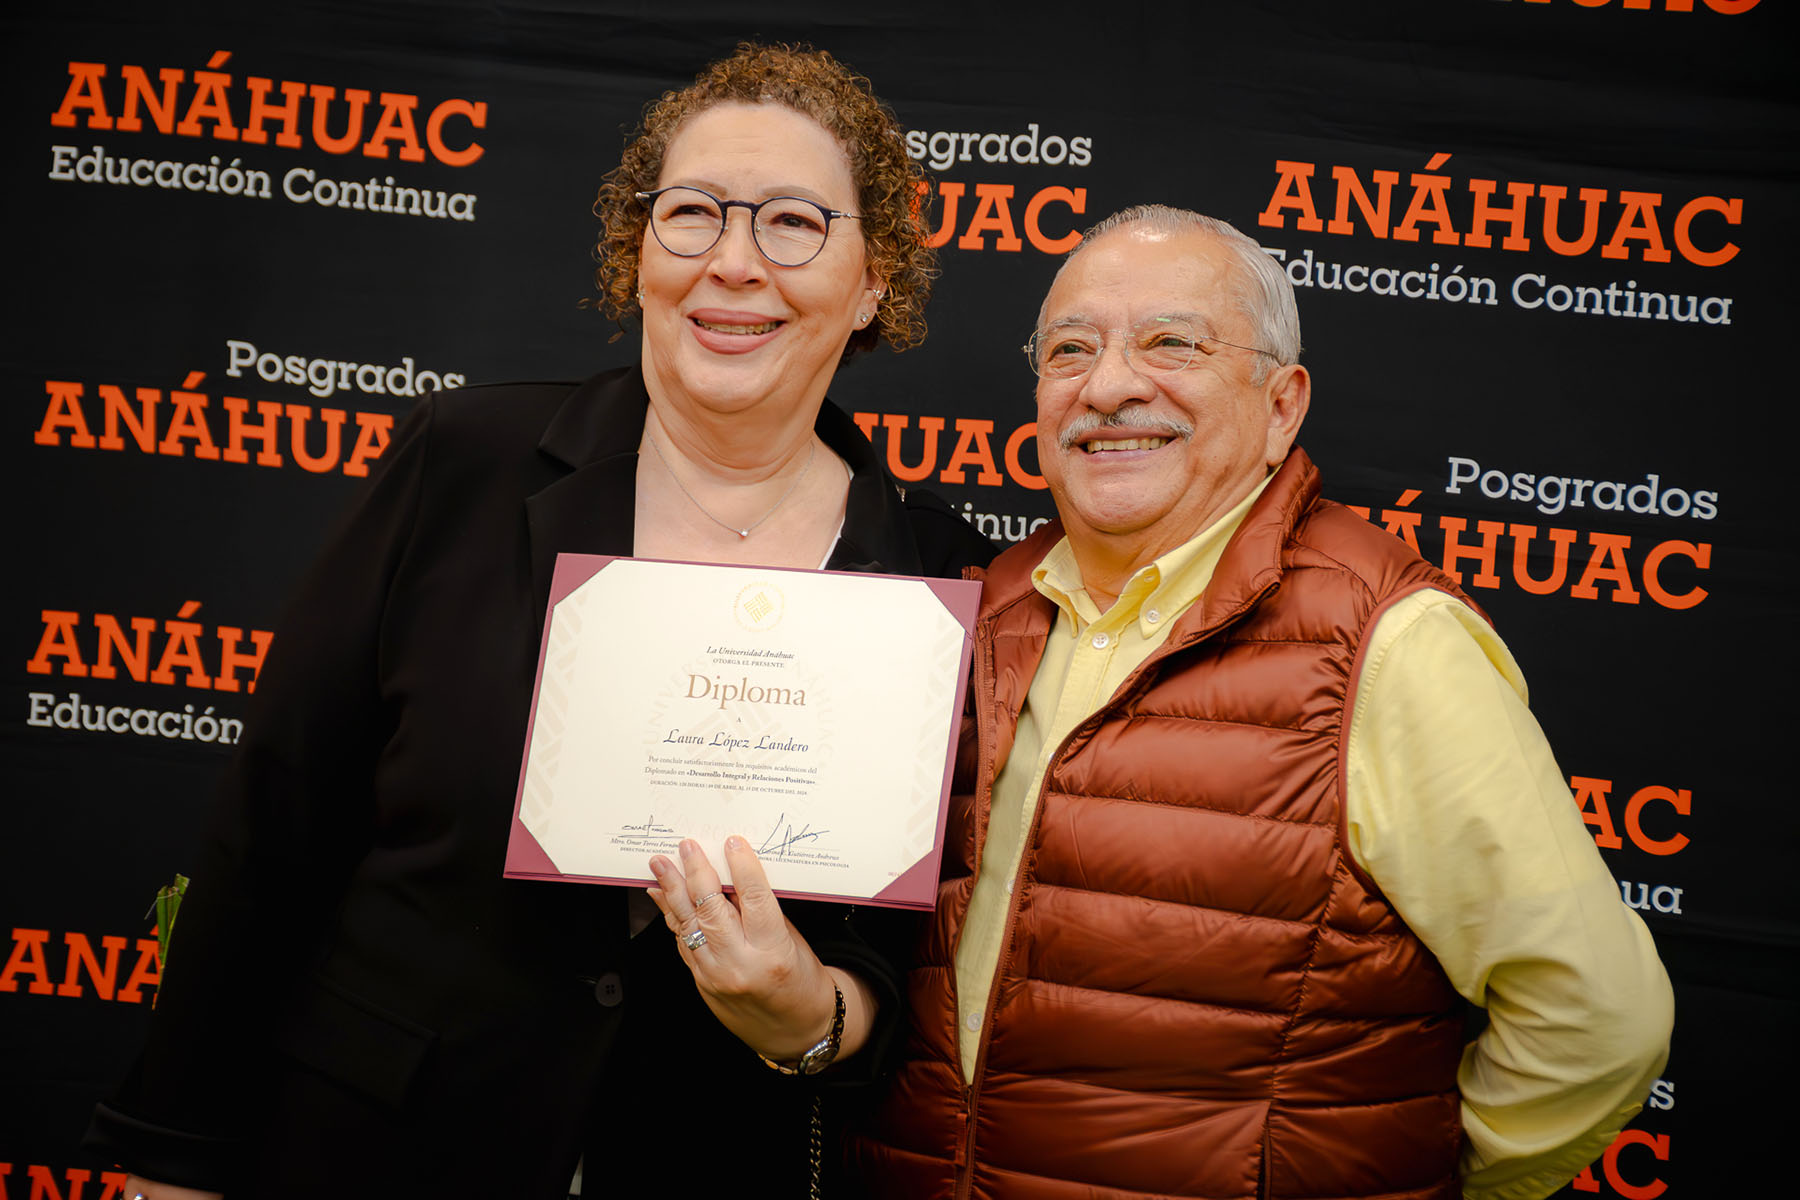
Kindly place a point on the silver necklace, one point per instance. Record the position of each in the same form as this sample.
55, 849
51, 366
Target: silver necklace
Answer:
745, 531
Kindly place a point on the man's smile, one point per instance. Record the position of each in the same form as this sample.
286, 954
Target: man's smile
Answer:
1100, 445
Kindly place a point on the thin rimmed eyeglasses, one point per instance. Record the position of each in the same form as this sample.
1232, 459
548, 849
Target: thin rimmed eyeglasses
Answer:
1156, 346
788, 230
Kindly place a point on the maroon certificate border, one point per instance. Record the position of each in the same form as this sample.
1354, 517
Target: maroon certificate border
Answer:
914, 888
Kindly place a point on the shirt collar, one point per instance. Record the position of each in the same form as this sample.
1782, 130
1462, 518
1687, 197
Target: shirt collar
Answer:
1158, 592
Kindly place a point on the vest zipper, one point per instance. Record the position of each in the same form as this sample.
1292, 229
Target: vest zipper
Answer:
986, 740
965, 1154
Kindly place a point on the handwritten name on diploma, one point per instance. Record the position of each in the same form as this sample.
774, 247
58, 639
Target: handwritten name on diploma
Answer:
729, 743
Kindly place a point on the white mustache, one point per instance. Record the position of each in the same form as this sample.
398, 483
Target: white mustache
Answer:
1091, 422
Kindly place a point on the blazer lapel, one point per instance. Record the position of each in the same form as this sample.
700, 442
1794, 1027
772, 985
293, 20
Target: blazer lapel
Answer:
877, 537
594, 437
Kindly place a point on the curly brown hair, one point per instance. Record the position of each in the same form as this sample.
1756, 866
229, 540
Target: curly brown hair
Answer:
890, 186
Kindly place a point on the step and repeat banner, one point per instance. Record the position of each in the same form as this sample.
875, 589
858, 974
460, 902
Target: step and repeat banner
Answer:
1543, 249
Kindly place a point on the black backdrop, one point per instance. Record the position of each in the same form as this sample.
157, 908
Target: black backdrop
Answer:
1465, 383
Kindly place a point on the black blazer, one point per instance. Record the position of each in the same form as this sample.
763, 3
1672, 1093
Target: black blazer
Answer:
358, 1002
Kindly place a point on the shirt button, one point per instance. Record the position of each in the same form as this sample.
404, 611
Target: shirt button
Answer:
973, 1021
609, 990
1009, 886
1101, 640
1152, 616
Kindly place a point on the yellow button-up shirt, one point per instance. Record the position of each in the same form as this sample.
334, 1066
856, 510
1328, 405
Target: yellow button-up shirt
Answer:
1455, 807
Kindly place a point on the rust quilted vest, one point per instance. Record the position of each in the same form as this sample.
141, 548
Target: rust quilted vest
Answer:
1201, 995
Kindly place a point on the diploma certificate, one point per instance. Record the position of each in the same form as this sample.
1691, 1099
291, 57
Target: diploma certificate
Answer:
813, 713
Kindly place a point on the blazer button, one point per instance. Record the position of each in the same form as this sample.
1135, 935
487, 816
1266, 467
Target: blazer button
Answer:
609, 990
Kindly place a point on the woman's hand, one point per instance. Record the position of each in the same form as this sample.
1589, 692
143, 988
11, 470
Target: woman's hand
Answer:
752, 967
149, 1189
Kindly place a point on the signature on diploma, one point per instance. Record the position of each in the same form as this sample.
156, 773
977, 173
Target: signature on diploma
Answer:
649, 826
777, 844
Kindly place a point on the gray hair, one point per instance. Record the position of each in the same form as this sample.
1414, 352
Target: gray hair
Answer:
1266, 298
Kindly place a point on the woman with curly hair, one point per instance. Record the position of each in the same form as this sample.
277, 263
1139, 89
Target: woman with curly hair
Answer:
361, 1005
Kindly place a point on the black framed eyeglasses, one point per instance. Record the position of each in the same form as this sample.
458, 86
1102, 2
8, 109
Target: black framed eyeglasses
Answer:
1156, 346
788, 230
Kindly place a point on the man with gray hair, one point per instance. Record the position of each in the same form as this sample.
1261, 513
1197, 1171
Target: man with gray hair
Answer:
1249, 804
